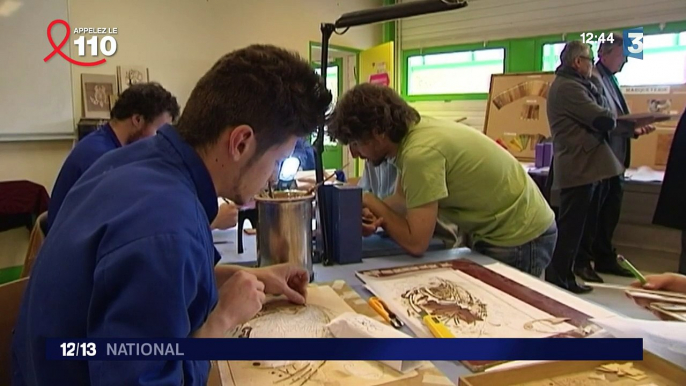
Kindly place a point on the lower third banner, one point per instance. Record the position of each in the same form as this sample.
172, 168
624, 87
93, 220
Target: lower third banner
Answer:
458, 349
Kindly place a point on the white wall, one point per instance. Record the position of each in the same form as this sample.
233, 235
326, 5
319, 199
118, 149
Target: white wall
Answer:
179, 40
490, 20
37, 161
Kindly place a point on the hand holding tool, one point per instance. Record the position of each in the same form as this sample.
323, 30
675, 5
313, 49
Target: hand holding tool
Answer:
630, 267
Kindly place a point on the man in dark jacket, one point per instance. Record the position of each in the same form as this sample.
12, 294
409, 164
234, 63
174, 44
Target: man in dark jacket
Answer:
671, 206
580, 123
611, 61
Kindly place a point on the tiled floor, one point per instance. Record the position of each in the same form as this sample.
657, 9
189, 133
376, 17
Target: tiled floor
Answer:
613, 299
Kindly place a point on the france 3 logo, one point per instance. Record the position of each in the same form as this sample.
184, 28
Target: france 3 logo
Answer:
633, 42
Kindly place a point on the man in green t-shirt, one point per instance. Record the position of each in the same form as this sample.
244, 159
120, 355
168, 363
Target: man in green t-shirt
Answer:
447, 172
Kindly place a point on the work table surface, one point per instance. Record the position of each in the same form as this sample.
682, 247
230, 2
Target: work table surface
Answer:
600, 303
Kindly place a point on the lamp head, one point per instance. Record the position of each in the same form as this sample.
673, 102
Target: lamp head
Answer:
289, 168
287, 172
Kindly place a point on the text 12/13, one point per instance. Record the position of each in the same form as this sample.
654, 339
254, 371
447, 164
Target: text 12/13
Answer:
72, 349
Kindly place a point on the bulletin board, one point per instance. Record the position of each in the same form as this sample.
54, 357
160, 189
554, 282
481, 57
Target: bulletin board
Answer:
516, 114
653, 150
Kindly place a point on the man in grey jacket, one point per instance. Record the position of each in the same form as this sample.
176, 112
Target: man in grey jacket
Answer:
580, 123
611, 61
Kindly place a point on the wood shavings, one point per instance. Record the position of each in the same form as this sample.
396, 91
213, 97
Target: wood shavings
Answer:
623, 370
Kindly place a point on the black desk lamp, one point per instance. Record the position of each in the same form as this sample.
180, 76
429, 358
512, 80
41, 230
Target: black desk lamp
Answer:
353, 19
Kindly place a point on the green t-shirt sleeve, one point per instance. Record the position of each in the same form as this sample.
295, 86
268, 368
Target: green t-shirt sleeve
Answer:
423, 176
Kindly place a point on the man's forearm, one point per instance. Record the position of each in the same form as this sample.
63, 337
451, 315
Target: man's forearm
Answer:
397, 227
396, 202
214, 327
223, 272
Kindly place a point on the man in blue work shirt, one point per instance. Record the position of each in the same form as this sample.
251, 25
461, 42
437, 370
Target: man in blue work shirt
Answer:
305, 153
138, 113
132, 256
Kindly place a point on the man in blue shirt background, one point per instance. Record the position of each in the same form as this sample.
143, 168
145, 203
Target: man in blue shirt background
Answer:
305, 153
138, 113
131, 253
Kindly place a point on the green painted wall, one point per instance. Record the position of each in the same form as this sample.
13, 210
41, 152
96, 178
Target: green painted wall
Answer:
10, 273
388, 28
516, 61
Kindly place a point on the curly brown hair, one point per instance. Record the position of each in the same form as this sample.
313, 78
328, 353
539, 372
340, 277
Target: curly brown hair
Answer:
371, 108
271, 89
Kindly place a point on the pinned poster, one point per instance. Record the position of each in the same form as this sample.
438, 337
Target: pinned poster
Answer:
376, 65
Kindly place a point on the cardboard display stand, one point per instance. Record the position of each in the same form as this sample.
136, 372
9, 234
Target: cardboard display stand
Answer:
516, 113
653, 150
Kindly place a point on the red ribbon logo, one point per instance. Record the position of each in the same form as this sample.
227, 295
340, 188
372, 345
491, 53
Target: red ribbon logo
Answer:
58, 49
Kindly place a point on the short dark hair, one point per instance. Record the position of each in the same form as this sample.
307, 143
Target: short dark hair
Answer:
369, 108
149, 100
607, 46
271, 89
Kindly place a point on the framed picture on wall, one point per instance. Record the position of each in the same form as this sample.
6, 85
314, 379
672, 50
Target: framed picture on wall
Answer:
129, 75
95, 94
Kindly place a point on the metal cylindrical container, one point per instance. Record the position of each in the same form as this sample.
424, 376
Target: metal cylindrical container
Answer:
284, 230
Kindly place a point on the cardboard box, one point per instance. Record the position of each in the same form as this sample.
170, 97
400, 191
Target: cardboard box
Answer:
653, 150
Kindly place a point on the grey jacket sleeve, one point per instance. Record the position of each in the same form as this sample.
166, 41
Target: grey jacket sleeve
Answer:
582, 108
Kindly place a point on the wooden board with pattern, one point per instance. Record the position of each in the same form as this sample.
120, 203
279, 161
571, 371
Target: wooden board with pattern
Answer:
426, 375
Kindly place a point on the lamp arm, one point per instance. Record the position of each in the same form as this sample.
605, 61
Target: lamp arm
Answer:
397, 11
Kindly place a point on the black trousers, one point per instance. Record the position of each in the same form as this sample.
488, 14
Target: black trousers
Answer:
603, 252
577, 225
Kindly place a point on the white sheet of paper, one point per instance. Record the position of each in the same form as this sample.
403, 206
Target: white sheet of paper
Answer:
645, 174
666, 339
222, 236
354, 325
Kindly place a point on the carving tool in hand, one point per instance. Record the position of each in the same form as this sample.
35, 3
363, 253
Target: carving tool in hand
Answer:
380, 307
437, 329
630, 267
